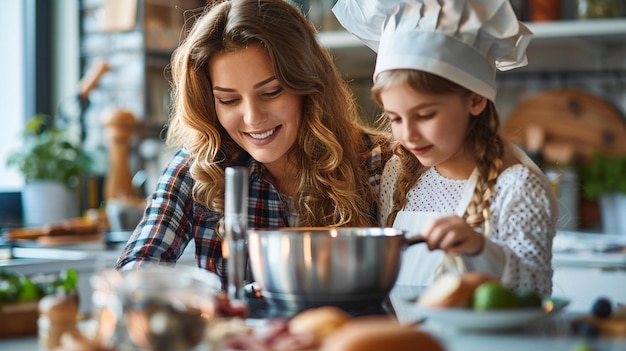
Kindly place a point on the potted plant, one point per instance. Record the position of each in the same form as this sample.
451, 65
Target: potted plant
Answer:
53, 163
604, 179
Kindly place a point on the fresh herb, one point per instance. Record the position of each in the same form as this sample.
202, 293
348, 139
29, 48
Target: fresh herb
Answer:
604, 174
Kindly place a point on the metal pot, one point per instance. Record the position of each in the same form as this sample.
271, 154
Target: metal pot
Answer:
308, 267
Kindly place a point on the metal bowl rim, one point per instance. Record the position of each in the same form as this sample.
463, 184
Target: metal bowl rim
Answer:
339, 231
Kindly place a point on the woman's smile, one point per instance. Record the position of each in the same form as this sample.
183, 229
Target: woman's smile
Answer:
263, 137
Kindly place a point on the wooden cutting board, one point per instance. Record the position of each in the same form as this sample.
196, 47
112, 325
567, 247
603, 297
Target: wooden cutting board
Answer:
77, 230
574, 123
567, 126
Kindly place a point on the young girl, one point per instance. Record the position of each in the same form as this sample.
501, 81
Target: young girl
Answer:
479, 201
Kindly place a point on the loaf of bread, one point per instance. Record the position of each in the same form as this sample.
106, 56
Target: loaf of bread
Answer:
452, 290
321, 321
379, 333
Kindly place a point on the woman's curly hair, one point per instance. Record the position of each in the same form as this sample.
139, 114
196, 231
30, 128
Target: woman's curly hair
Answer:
333, 184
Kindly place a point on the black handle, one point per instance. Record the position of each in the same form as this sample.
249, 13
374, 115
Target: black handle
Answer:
415, 239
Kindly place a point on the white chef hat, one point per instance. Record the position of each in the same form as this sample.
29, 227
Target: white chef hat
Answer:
461, 40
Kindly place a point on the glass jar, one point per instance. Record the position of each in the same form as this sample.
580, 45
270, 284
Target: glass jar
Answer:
164, 308
599, 8
107, 308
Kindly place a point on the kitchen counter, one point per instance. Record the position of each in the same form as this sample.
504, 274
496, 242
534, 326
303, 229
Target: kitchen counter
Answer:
589, 250
587, 266
85, 258
551, 333
580, 260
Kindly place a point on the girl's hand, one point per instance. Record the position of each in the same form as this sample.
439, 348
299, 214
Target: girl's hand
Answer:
453, 235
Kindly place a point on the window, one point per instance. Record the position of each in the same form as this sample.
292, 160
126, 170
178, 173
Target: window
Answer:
39, 68
11, 88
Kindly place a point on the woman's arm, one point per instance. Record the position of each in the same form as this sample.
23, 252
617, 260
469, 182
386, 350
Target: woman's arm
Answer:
166, 226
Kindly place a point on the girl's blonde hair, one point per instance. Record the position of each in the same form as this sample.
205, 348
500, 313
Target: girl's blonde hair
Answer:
333, 183
482, 139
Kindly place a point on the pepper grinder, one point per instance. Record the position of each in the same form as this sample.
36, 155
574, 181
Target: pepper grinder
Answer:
119, 125
235, 226
57, 316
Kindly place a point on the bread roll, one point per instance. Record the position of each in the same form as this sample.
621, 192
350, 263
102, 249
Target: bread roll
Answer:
320, 321
452, 290
379, 333
446, 292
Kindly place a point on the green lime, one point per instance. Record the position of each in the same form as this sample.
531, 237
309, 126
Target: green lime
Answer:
529, 297
493, 295
582, 346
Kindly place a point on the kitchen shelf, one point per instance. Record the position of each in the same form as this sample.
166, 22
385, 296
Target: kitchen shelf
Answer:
568, 45
599, 28
352, 57
577, 45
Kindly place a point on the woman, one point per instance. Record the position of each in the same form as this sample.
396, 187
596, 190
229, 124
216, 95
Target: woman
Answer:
252, 86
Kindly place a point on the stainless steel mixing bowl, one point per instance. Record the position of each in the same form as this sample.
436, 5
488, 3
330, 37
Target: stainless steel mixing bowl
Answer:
326, 266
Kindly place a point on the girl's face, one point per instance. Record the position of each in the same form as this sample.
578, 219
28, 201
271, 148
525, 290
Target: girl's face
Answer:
433, 127
255, 109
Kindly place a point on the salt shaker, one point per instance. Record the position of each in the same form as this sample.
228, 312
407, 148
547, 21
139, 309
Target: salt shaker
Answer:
235, 226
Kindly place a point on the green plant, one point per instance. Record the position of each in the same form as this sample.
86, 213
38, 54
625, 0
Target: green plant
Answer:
50, 153
604, 174
17, 287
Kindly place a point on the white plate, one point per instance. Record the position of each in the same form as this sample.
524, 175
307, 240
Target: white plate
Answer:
491, 320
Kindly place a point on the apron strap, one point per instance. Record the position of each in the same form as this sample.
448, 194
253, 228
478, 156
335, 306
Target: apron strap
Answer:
528, 162
468, 192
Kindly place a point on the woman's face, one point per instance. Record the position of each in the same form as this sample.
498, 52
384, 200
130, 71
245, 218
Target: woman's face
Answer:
255, 109
432, 127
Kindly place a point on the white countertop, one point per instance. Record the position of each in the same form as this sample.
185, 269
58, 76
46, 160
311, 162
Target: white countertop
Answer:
574, 249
